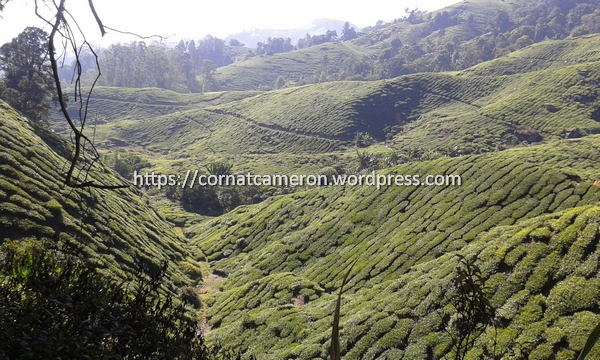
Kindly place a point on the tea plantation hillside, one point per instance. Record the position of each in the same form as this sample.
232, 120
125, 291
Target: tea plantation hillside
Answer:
112, 107
284, 259
116, 228
483, 12
503, 103
543, 274
548, 55
477, 110
294, 66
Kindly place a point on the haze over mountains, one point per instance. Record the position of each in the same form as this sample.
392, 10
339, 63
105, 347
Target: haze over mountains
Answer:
318, 26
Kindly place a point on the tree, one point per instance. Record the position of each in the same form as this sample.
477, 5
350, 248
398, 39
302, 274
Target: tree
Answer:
524, 41
348, 33
396, 43
473, 312
27, 82
235, 42
331, 35
209, 83
501, 22
279, 83
414, 16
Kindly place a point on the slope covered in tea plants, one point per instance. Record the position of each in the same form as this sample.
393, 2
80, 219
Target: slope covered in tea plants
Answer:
294, 66
486, 108
284, 259
366, 57
476, 110
542, 274
116, 228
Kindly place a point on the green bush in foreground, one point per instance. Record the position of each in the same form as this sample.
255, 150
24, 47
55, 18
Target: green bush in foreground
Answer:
53, 305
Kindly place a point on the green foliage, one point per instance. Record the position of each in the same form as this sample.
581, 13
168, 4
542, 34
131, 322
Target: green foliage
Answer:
363, 140
526, 211
406, 238
335, 329
26, 83
114, 227
217, 199
207, 75
138, 65
590, 343
54, 305
348, 32
219, 168
473, 310
279, 83
274, 46
125, 164
307, 41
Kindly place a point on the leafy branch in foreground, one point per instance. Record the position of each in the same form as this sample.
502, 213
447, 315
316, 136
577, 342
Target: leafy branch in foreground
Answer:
473, 311
590, 343
53, 305
335, 351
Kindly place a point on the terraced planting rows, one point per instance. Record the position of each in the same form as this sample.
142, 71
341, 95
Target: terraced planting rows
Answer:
577, 156
323, 109
542, 274
550, 55
201, 133
472, 112
113, 105
465, 112
300, 244
114, 227
343, 108
495, 190
482, 11
263, 70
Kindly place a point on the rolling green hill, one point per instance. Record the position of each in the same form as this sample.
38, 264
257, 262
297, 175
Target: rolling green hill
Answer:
548, 55
294, 66
528, 96
336, 59
532, 227
523, 132
116, 228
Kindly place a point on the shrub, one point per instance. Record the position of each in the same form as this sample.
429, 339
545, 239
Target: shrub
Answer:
127, 163
56, 306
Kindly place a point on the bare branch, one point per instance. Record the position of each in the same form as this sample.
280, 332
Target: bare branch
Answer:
85, 155
138, 35
82, 144
98, 21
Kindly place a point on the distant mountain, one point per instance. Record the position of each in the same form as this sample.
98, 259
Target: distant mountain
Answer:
318, 26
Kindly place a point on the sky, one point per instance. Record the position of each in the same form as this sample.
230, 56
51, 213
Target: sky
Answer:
189, 19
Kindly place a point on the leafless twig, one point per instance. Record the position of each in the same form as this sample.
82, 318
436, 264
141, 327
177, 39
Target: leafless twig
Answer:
84, 151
